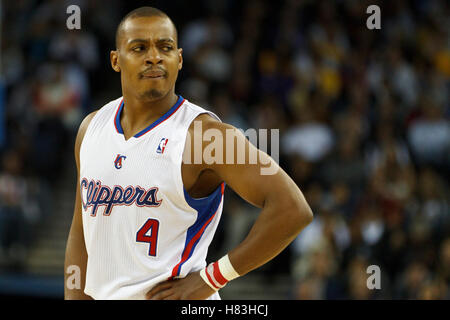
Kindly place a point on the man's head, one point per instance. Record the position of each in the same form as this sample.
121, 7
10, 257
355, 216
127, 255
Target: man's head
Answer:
147, 54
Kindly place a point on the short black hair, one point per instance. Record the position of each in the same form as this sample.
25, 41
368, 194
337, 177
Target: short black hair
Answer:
143, 12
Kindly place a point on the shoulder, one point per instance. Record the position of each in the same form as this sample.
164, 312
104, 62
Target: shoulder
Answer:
105, 111
207, 121
213, 140
81, 132
203, 116
85, 124
207, 128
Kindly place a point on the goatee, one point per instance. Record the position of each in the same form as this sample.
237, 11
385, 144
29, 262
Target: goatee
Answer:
152, 94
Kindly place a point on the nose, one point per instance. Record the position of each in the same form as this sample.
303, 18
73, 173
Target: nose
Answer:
153, 56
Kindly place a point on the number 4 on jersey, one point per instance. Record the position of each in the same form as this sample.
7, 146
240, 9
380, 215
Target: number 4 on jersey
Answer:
149, 233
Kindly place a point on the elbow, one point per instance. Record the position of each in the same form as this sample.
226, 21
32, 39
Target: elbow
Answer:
301, 216
306, 215
309, 216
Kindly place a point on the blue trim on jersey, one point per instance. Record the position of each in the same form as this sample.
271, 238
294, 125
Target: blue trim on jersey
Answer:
117, 118
206, 208
164, 117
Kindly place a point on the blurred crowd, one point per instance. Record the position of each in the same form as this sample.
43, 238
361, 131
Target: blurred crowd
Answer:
363, 118
47, 76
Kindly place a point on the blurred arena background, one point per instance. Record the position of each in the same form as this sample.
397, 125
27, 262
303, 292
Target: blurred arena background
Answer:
364, 131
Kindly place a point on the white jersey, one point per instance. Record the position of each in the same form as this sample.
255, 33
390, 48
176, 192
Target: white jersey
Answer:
140, 225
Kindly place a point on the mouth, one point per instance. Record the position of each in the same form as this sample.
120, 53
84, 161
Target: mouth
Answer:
153, 74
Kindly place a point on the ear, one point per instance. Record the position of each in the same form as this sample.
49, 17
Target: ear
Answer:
180, 56
114, 57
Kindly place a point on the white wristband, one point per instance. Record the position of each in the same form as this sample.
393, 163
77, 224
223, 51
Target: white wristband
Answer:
226, 268
217, 274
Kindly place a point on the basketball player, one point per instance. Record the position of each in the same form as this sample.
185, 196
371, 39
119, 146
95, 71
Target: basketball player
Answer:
143, 218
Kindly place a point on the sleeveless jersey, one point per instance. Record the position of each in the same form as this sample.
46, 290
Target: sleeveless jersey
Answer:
140, 225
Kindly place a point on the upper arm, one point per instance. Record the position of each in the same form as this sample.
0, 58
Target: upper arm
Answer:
258, 179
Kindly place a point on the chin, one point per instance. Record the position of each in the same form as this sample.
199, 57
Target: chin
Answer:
153, 94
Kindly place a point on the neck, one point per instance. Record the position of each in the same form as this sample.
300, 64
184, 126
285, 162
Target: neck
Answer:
137, 114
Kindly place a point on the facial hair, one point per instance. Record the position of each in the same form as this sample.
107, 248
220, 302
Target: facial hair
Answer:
152, 94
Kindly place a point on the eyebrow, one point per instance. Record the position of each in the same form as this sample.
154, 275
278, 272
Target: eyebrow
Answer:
146, 40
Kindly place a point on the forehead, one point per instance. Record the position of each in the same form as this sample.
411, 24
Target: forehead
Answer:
149, 28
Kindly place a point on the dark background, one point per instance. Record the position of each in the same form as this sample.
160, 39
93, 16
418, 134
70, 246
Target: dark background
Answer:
364, 132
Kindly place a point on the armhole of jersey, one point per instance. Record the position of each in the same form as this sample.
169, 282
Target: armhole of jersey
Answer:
86, 132
206, 208
180, 184
95, 117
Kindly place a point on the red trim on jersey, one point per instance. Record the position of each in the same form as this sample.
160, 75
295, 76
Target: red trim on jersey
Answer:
115, 116
188, 248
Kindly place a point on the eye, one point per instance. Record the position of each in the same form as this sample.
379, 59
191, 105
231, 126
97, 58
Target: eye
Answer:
138, 48
167, 48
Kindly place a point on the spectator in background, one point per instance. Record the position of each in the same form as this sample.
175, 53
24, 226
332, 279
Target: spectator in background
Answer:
387, 148
55, 96
433, 201
78, 51
231, 112
435, 289
357, 280
429, 135
393, 185
76, 47
13, 64
345, 164
411, 281
56, 104
211, 30
310, 137
17, 208
402, 77
443, 266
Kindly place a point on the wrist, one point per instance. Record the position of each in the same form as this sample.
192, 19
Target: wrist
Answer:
219, 273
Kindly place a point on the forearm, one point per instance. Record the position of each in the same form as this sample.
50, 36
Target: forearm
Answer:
275, 228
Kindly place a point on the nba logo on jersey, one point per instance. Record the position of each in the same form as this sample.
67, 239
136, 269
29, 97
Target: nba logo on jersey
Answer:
162, 145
